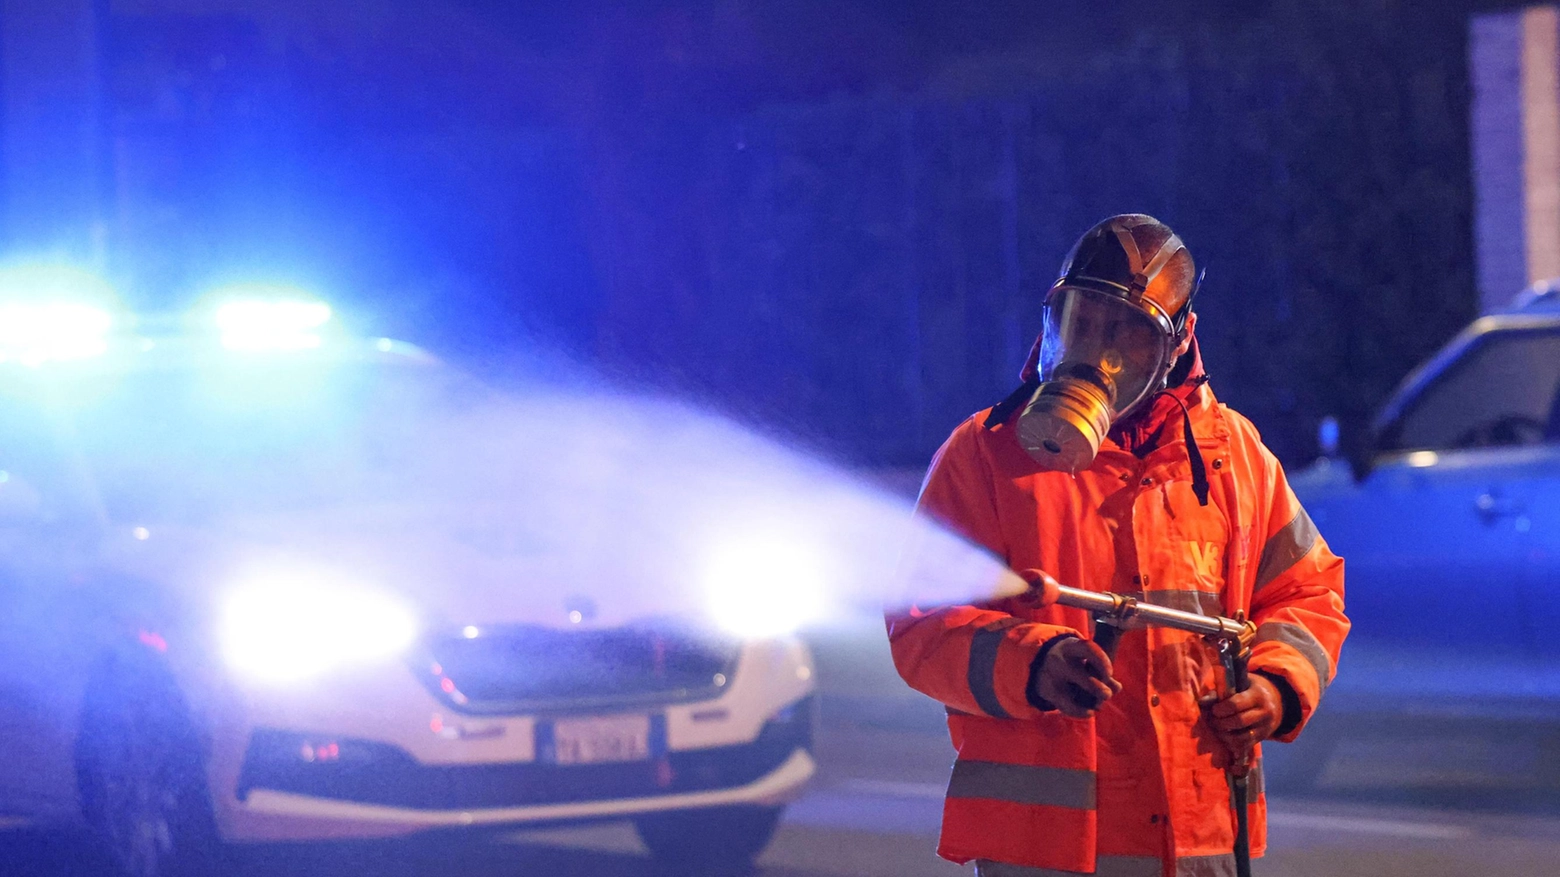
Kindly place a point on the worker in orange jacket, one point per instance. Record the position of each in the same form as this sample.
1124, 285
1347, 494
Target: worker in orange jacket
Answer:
1113, 468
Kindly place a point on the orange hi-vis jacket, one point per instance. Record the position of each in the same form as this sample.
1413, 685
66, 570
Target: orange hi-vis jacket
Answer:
1139, 789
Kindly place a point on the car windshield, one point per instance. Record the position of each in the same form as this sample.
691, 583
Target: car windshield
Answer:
1502, 392
184, 442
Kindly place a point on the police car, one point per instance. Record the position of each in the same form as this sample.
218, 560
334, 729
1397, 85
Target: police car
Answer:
262, 580
1448, 520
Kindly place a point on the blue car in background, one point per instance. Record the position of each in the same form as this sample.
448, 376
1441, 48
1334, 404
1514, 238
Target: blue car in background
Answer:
1449, 523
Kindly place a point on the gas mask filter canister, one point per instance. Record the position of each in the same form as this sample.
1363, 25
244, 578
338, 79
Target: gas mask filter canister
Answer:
1064, 423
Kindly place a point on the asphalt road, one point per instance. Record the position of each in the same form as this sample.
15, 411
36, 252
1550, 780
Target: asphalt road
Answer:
1474, 802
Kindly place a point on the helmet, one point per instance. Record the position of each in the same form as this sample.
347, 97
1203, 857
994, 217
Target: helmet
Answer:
1113, 321
1135, 257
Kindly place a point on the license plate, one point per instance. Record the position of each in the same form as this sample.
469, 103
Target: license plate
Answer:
601, 739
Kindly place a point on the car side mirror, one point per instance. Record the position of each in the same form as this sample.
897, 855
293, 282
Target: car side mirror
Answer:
1362, 456
1337, 445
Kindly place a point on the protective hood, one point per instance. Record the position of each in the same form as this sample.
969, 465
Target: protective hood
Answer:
1143, 429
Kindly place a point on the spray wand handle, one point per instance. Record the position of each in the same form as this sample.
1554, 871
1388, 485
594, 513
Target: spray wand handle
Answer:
1118, 610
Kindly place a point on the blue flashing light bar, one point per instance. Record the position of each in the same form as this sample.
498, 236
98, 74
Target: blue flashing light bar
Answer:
272, 324
33, 334
51, 312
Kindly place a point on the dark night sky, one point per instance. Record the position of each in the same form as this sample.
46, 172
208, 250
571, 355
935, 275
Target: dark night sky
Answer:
716, 195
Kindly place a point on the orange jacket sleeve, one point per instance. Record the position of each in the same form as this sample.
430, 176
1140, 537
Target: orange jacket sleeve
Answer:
1296, 599
972, 658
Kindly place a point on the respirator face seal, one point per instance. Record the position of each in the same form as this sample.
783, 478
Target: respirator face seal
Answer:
1101, 355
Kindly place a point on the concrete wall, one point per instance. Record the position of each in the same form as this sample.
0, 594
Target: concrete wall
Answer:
1514, 69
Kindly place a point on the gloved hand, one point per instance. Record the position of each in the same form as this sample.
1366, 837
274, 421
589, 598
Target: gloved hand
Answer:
1075, 678
1242, 720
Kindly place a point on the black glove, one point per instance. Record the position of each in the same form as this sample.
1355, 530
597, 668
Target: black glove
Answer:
1072, 675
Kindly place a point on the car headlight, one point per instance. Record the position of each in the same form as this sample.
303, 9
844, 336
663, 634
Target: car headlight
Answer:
289, 629
765, 585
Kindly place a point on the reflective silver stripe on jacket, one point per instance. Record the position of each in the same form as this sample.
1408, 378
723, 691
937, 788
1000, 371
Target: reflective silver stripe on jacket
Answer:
1285, 548
1023, 784
1119, 866
1206, 866
1302, 641
1197, 602
1104, 866
982, 673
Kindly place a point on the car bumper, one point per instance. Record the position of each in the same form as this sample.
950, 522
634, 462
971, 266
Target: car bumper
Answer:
387, 776
293, 816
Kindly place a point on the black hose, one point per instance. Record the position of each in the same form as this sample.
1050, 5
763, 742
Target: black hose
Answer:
1242, 830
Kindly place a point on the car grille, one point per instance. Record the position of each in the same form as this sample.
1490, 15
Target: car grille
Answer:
527, 668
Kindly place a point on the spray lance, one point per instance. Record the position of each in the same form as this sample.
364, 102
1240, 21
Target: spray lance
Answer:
1231, 638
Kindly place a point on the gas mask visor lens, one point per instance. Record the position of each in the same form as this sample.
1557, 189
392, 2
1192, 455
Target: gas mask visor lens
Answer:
1102, 338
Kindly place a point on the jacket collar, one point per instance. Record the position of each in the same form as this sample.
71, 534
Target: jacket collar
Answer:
1159, 419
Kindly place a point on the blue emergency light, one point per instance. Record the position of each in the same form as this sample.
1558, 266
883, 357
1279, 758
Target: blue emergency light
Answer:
271, 323
33, 334
50, 313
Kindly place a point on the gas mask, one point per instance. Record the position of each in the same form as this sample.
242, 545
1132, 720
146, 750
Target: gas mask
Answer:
1108, 342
